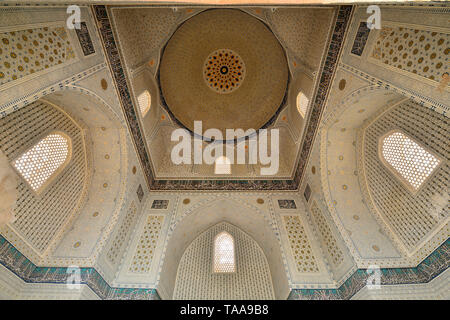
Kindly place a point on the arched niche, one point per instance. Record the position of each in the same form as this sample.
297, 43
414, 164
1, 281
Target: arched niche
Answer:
106, 141
144, 81
341, 179
198, 278
301, 82
247, 218
42, 214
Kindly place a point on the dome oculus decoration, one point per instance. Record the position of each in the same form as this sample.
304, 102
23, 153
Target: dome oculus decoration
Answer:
224, 71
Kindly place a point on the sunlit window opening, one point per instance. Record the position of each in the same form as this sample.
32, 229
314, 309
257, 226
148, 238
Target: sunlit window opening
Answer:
144, 101
41, 161
302, 104
222, 165
224, 253
409, 159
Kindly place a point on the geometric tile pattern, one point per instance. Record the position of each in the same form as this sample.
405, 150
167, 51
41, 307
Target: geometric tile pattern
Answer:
143, 256
25, 52
43, 159
421, 52
408, 158
197, 280
335, 254
115, 250
17, 263
301, 249
224, 253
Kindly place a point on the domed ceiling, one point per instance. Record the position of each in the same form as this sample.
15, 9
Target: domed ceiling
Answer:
225, 68
231, 68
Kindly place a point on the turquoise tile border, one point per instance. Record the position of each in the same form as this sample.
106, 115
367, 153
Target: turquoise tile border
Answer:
21, 266
437, 262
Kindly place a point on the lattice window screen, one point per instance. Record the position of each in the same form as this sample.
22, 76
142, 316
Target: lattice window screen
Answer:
412, 216
40, 218
144, 101
409, 159
302, 104
25, 52
196, 279
39, 163
224, 253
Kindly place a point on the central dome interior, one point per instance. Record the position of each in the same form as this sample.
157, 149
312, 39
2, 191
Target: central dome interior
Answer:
247, 76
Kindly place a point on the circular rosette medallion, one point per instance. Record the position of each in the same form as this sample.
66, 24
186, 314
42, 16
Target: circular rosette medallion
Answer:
224, 71
225, 68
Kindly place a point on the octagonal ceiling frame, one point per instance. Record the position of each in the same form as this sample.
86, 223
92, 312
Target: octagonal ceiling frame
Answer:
329, 65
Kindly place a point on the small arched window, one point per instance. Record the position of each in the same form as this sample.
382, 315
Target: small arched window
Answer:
222, 165
302, 104
144, 101
44, 160
407, 159
224, 259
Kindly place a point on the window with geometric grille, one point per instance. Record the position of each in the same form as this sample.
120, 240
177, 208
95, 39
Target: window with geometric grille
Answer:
44, 160
224, 253
407, 159
302, 104
222, 165
144, 101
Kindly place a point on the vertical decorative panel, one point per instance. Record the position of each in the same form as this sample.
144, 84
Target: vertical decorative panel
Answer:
420, 52
301, 249
143, 256
361, 38
334, 252
85, 39
25, 52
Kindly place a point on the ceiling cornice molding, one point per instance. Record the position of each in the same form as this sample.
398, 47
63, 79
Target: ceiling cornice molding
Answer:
330, 61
